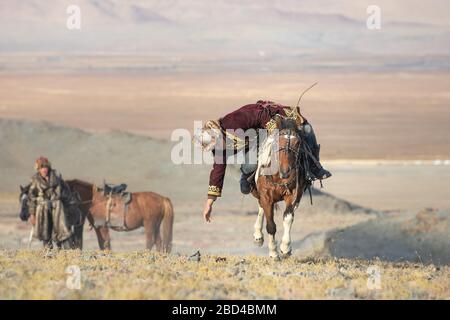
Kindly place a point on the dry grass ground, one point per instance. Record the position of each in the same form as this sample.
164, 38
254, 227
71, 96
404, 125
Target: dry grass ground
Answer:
144, 275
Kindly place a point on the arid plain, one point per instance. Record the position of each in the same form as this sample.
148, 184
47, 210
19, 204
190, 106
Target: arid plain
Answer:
385, 137
102, 100
363, 120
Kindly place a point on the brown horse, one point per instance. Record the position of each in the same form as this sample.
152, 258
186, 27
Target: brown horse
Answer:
146, 209
287, 184
84, 191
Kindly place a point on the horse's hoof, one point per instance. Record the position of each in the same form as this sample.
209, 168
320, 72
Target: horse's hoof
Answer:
275, 258
258, 241
287, 254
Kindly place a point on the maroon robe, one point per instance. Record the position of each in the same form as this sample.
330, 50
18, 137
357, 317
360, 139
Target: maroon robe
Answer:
251, 116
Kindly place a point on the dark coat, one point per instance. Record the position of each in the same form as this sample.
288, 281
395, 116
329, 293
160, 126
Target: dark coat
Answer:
45, 201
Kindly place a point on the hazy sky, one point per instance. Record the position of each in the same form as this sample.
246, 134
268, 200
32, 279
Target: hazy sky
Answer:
230, 27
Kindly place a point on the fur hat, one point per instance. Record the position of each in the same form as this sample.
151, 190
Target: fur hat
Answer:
207, 136
42, 162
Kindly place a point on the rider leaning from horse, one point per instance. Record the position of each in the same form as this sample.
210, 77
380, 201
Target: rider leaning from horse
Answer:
259, 115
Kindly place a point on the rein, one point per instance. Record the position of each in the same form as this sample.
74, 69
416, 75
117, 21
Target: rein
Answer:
85, 202
301, 163
288, 149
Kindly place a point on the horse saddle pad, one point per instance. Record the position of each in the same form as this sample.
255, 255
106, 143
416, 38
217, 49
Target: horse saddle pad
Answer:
126, 197
116, 218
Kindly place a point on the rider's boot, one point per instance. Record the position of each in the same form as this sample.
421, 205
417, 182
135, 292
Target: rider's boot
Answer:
317, 170
246, 186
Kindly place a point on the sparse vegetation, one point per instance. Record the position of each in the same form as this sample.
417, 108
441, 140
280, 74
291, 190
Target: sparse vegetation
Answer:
147, 275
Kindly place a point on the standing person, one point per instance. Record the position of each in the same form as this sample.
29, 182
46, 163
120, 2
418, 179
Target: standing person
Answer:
46, 209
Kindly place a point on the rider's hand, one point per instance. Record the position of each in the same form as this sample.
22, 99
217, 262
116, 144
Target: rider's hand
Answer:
208, 208
32, 219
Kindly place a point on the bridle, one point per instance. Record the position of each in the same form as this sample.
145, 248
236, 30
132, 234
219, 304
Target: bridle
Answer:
23, 197
288, 149
298, 159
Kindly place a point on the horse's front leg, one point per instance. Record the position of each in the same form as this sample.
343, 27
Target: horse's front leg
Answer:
258, 235
271, 230
104, 238
288, 219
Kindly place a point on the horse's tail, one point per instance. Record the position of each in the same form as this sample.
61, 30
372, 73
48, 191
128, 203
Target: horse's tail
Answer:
167, 225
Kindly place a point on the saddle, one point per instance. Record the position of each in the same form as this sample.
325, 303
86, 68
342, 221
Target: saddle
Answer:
112, 190
116, 221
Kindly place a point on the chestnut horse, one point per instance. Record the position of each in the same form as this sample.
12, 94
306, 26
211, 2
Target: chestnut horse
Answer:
146, 209
287, 184
84, 191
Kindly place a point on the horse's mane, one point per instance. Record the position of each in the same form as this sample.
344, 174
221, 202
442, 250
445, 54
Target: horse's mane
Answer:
287, 123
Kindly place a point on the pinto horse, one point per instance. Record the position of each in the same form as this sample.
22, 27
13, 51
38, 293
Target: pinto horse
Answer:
287, 184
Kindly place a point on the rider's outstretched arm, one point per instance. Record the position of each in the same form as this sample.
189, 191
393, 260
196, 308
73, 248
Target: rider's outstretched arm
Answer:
216, 179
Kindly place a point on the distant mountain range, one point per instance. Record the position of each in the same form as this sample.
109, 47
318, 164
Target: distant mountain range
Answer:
248, 29
157, 25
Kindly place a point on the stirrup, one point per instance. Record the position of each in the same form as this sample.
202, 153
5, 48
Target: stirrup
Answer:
245, 184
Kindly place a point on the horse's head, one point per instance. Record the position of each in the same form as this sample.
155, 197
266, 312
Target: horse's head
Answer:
289, 144
98, 193
98, 203
23, 199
